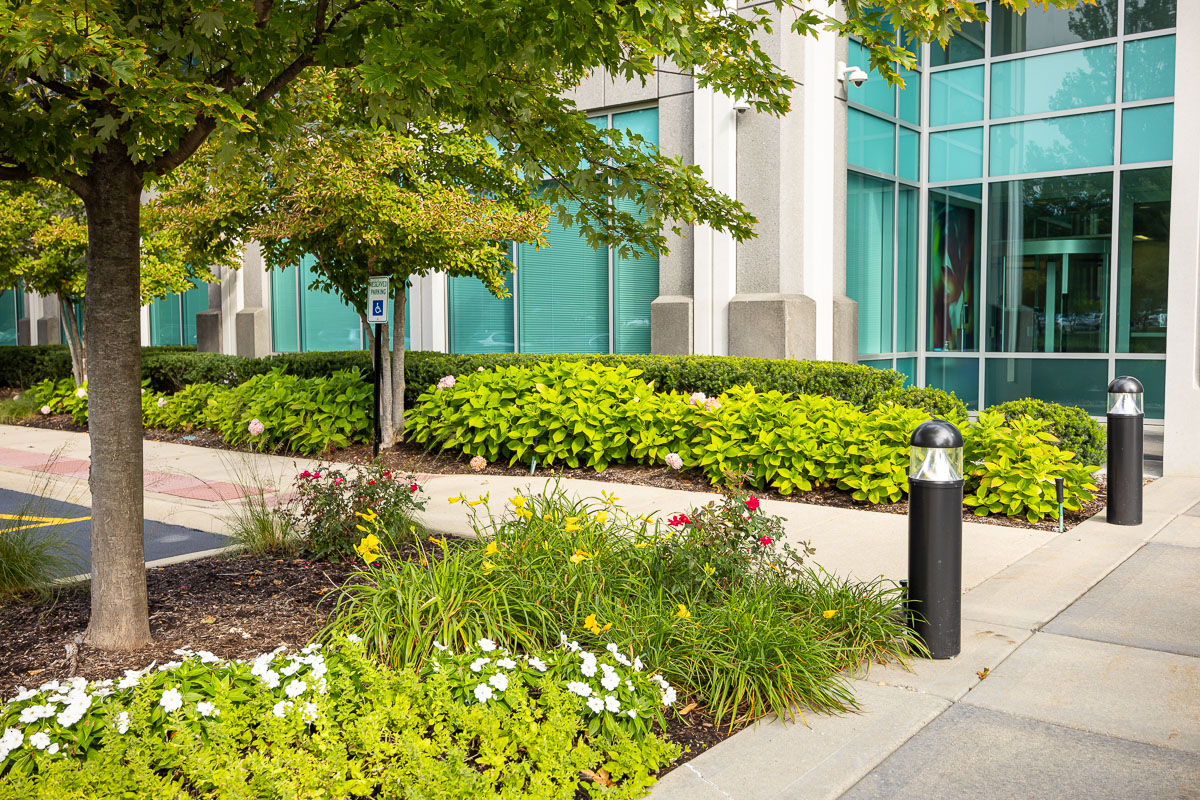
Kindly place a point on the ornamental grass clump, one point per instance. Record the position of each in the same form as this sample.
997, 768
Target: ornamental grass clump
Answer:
746, 634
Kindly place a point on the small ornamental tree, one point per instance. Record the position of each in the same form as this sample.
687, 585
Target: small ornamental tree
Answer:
361, 201
43, 248
106, 96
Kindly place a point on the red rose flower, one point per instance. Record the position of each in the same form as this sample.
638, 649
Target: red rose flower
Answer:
371, 483
679, 519
412, 488
752, 504
766, 540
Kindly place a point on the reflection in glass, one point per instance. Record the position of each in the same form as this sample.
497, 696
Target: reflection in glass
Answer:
958, 375
1142, 249
908, 368
908, 209
956, 155
1048, 255
955, 96
1149, 15
479, 321
909, 151
1044, 145
1040, 28
870, 142
869, 228
1149, 69
1069, 381
876, 93
954, 222
1153, 377
285, 311
965, 45
8, 317
1147, 133
1055, 82
910, 96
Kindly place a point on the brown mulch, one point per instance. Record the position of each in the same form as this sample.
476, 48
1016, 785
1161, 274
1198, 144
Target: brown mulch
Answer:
407, 457
232, 606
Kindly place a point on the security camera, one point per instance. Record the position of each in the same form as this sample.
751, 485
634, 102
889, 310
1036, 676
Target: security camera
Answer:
853, 75
741, 105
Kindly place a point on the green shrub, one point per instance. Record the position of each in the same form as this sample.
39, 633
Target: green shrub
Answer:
22, 366
202, 727
1073, 427
333, 502
933, 401
555, 569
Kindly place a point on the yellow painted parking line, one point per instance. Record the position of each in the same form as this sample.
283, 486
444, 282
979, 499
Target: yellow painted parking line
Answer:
42, 523
33, 518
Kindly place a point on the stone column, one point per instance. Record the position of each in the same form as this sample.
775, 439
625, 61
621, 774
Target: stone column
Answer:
208, 323
252, 323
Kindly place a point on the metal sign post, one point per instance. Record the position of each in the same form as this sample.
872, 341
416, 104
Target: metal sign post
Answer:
377, 315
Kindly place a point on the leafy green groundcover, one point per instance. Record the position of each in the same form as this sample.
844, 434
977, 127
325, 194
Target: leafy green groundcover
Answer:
330, 722
593, 415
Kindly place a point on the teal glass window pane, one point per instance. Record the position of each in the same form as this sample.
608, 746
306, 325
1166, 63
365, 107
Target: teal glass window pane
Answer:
909, 149
1055, 82
1050, 241
326, 322
165, 326
1143, 247
285, 311
878, 363
871, 142
1149, 69
1045, 145
1039, 28
562, 295
908, 209
479, 321
1147, 133
956, 155
869, 260
1149, 15
1068, 381
643, 122
635, 286
956, 96
62, 322
955, 219
407, 320
964, 45
876, 93
1153, 376
194, 301
958, 375
910, 96
908, 368
8, 317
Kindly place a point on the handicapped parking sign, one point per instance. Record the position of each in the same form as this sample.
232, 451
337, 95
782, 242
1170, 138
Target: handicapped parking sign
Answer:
377, 295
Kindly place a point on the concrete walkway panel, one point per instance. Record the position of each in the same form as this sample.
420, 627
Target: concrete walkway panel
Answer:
1150, 601
1172, 495
1141, 695
1182, 532
983, 755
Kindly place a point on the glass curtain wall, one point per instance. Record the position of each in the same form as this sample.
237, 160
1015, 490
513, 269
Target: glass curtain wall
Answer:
882, 215
173, 319
567, 297
1046, 206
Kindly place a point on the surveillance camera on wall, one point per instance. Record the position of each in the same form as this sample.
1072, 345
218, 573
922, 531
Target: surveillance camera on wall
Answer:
853, 75
741, 105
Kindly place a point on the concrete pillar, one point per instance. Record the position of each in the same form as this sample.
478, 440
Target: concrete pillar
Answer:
1181, 436
49, 330
208, 323
672, 313
252, 322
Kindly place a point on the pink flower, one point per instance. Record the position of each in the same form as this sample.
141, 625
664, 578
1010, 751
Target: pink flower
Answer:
255, 427
162, 401
337, 481
478, 463
679, 519
412, 488
45, 409
306, 474
766, 540
446, 382
316, 474
752, 504
712, 404
674, 461
697, 399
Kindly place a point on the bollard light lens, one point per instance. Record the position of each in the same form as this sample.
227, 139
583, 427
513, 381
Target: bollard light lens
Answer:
1125, 404
941, 464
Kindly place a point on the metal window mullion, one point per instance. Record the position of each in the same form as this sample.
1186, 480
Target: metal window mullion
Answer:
1114, 256
516, 300
612, 306
984, 212
299, 308
922, 265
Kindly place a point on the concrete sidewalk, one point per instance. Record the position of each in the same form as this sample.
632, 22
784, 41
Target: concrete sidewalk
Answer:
1090, 639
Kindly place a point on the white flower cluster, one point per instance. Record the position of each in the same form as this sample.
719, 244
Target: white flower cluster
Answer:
699, 399
614, 695
272, 674
446, 382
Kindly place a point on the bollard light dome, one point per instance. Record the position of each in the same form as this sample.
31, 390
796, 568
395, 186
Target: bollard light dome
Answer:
936, 453
1126, 397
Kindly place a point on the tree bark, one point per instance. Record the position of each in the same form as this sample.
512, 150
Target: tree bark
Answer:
112, 325
74, 342
398, 365
386, 439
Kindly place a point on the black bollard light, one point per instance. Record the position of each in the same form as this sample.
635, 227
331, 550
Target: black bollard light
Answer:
1126, 418
935, 503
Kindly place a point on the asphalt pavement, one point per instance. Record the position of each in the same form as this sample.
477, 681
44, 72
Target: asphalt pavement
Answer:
74, 523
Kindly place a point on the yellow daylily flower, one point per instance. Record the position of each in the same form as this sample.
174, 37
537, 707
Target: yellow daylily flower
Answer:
488, 566
829, 613
601, 517
580, 556
518, 501
524, 513
609, 498
491, 548
640, 545
361, 528
439, 542
683, 612
369, 515
546, 517
473, 503
594, 626
457, 499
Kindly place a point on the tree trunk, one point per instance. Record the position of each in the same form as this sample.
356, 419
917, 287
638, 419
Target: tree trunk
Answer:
74, 342
398, 365
112, 325
386, 439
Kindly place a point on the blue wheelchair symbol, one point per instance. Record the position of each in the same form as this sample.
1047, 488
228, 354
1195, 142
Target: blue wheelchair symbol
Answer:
376, 308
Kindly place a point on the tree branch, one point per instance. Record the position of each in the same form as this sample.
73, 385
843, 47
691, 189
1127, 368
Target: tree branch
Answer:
189, 144
15, 174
